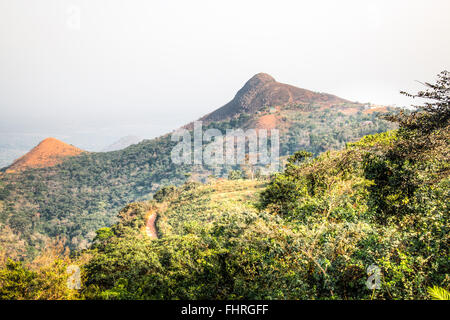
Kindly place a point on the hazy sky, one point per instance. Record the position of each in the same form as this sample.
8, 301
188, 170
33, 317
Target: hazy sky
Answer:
146, 67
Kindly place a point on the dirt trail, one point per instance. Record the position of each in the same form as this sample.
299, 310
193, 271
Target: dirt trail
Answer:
150, 226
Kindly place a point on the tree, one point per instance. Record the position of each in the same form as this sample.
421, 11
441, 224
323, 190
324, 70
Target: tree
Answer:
235, 175
299, 156
164, 193
17, 282
434, 113
426, 128
422, 144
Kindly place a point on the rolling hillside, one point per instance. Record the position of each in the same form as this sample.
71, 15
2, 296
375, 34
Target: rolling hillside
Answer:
369, 221
311, 232
75, 197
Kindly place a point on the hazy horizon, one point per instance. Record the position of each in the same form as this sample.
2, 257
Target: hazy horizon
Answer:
140, 68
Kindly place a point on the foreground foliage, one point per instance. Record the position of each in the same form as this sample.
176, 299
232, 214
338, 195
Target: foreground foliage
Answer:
317, 230
45, 278
84, 193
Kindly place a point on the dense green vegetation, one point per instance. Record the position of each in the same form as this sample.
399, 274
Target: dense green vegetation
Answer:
313, 128
213, 244
316, 230
328, 129
312, 235
83, 194
44, 278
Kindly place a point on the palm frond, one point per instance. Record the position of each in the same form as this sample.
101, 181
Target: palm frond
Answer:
438, 293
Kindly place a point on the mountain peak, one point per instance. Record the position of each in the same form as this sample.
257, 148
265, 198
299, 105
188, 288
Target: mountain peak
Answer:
47, 153
262, 91
261, 78
50, 140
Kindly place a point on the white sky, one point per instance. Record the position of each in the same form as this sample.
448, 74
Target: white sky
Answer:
146, 67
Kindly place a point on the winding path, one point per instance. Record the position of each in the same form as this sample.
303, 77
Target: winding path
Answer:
150, 226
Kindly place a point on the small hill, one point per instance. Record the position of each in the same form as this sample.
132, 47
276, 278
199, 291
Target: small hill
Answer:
262, 90
47, 153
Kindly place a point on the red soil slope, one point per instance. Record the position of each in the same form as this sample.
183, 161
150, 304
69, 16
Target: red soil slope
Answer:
47, 153
150, 227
